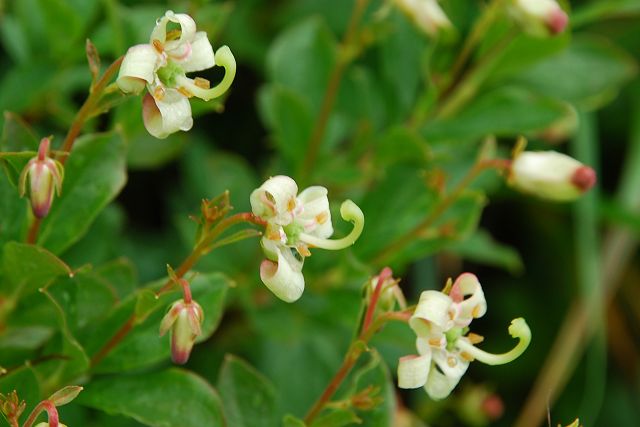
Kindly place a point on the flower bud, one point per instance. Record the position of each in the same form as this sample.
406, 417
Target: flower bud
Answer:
44, 175
551, 175
540, 17
426, 14
185, 320
47, 425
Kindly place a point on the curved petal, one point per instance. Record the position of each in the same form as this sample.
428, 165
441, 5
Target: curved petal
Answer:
432, 311
187, 29
201, 57
468, 299
284, 278
164, 117
137, 69
413, 371
439, 385
275, 199
315, 216
171, 316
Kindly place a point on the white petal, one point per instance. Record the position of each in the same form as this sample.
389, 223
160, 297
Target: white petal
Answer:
432, 311
166, 116
283, 278
275, 199
413, 371
201, 57
450, 363
439, 385
137, 69
315, 216
468, 299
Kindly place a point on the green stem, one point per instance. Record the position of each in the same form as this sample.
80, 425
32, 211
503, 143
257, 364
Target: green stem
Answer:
87, 108
439, 209
345, 56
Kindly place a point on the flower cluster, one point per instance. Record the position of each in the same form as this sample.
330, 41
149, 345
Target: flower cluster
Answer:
44, 175
550, 175
445, 346
161, 67
296, 223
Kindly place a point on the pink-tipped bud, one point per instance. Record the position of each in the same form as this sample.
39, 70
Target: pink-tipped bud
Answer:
557, 21
492, 407
550, 175
584, 178
45, 175
185, 320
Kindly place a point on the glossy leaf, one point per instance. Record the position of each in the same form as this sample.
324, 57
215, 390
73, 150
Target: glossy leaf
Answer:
170, 398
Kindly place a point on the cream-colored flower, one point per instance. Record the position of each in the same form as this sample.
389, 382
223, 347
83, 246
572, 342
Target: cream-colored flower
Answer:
296, 223
161, 67
426, 14
445, 346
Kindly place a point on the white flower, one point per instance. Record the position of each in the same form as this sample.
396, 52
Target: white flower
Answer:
550, 175
426, 14
296, 223
540, 17
444, 345
161, 67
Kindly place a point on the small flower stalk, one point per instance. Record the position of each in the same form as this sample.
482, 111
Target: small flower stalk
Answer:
59, 398
295, 224
161, 67
445, 346
550, 175
389, 294
427, 15
540, 17
44, 176
184, 319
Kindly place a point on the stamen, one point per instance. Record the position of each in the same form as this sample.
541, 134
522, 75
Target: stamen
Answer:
157, 45
476, 311
273, 235
451, 361
303, 250
185, 92
322, 217
158, 93
174, 34
475, 338
202, 83
466, 356
291, 204
435, 342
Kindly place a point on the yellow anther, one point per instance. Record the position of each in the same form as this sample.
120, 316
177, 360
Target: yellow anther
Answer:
466, 356
476, 311
303, 250
322, 217
435, 342
273, 235
202, 83
157, 45
475, 338
158, 93
174, 34
291, 204
451, 361
185, 92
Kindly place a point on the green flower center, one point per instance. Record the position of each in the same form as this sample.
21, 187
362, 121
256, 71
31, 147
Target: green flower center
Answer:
169, 72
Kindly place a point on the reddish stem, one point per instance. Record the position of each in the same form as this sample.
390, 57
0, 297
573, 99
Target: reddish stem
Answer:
52, 413
114, 341
385, 274
34, 228
186, 290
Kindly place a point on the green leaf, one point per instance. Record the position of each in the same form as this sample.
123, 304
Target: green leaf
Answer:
14, 219
589, 73
170, 398
249, 399
143, 346
480, 247
291, 421
337, 418
94, 174
26, 268
600, 10
508, 111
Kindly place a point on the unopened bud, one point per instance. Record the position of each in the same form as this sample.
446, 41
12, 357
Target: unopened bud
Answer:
426, 14
185, 320
551, 175
540, 17
47, 425
45, 175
